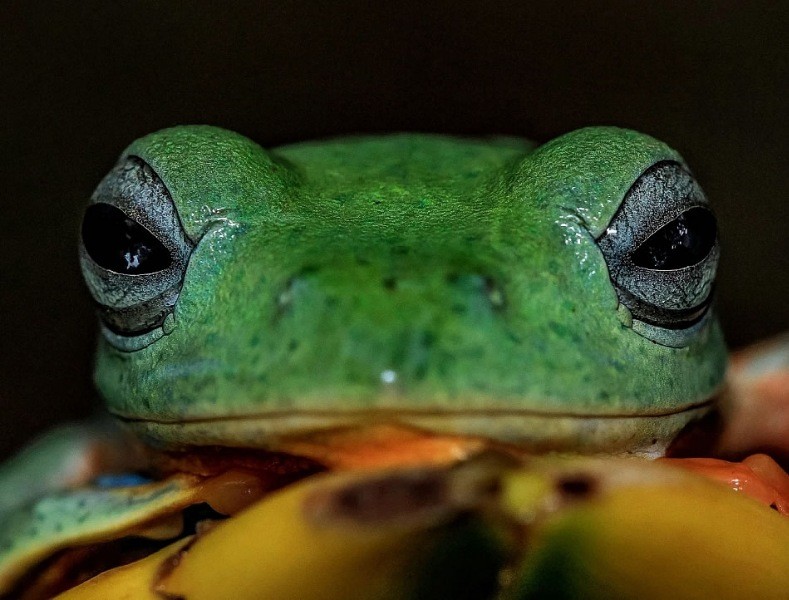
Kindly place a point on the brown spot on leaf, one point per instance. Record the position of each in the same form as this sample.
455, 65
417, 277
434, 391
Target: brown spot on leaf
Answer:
577, 486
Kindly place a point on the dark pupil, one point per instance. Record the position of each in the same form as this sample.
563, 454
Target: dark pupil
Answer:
684, 242
118, 243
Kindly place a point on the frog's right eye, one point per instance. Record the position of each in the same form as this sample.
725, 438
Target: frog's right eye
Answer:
133, 253
661, 249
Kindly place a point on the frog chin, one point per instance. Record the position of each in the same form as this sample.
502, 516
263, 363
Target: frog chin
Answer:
635, 434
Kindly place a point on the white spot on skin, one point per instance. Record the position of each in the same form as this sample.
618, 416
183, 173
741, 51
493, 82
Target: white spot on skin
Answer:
388, 376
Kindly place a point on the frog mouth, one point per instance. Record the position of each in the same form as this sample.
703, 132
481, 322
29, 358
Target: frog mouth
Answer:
644, 434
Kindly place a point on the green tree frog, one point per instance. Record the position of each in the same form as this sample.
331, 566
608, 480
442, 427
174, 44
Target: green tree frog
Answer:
547, 298
558, 297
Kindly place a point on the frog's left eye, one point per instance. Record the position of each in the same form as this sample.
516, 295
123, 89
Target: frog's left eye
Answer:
662, 253
134, 252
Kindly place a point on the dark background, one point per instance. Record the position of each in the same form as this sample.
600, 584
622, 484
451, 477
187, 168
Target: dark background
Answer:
80, 80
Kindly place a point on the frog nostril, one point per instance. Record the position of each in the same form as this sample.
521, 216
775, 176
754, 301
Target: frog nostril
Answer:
475, 286
285, 297
284, 300
495, 294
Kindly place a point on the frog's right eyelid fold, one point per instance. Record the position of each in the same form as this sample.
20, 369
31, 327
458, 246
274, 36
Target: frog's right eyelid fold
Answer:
133, 249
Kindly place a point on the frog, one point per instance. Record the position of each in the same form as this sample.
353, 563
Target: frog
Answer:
475, 287
297, 307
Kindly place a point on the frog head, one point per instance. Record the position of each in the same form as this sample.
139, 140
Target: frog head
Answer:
559, 296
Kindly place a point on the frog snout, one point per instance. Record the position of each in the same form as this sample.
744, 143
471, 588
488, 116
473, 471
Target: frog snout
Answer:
392, 327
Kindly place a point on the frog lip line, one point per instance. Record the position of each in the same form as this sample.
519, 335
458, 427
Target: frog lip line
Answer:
393, 413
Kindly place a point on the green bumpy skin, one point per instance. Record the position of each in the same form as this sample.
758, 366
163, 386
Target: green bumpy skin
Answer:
447, 283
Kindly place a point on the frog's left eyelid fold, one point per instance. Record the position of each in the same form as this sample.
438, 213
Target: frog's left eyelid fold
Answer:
662, 253
133, 250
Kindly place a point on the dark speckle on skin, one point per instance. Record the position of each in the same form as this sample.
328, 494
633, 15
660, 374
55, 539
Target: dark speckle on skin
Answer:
309, 270
389, 283
428, 339
514, 336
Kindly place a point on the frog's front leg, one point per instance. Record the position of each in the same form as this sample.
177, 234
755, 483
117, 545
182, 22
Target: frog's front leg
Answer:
67, 457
